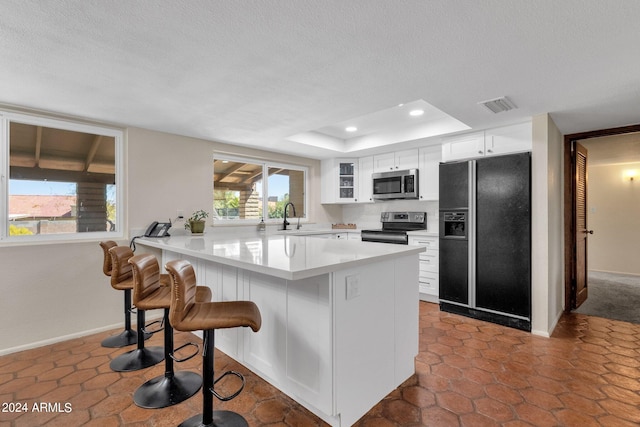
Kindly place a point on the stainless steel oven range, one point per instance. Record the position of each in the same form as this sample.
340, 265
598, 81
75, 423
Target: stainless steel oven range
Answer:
395, 226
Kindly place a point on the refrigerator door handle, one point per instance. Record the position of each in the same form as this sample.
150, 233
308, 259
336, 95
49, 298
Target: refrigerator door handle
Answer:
471, 233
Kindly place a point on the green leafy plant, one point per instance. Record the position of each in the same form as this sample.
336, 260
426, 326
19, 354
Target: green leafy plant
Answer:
197, 216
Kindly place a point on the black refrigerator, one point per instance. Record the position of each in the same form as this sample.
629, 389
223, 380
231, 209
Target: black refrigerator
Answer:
485, 239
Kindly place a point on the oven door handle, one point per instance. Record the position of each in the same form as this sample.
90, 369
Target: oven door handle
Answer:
402, 239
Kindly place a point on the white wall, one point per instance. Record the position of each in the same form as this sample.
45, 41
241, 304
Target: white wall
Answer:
170, 172
614, 215
547, 226
367, 215
52, 292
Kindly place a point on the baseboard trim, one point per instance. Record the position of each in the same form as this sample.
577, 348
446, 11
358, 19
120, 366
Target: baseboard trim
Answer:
67, 337
615, 272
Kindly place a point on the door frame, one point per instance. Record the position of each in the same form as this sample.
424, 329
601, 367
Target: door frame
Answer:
569, 217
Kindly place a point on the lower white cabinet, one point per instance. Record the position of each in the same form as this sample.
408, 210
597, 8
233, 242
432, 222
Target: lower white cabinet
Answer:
428, 278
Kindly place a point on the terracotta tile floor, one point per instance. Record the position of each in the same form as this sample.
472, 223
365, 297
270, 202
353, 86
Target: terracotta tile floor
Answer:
468, 373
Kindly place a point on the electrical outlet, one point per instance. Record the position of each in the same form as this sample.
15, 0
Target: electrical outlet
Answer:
353, 286
180, 214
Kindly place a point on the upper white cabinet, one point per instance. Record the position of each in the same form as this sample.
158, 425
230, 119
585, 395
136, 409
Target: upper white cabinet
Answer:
428, 171
347, 180
463, 146
399, 160
508, 139
339, 181
492, 142
365, 183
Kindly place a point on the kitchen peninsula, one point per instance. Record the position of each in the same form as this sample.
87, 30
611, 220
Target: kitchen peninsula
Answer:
339, 317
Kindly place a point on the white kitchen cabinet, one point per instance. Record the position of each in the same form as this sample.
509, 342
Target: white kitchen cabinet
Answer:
365, 183
322, 236
463, 146
339, 181
354, 235
428, 278
336, 236
492, 142
508, 139
429, 172
398, 160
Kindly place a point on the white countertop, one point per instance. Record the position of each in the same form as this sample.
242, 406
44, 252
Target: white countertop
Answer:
290, 257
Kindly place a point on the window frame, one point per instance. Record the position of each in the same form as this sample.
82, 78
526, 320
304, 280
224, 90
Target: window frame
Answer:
266, 164
8, 116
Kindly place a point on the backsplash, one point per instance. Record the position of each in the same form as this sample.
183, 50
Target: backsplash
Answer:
367, 215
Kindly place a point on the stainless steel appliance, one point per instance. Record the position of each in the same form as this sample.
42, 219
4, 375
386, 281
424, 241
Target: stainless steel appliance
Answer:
395, 226
401, 184
485, 239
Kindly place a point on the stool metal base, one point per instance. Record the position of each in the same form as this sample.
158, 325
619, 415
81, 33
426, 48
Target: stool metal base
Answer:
137, 359
220, 419
164, 391
123, 339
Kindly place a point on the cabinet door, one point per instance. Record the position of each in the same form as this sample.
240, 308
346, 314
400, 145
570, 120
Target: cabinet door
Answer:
406, 159
347, 180
384, 162
428, 172
339, 181
328, 184
365, 183
463, 147
509, 139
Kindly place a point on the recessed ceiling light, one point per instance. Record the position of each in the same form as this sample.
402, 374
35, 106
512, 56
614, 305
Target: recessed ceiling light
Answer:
416, 112
400, 105
351, 128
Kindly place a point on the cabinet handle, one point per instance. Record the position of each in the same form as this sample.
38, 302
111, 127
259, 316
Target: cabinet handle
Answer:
479, 151
489, 151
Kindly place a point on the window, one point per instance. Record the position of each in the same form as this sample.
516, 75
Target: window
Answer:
240, 191
59, 179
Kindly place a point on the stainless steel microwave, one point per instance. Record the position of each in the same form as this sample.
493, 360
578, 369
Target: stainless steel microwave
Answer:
401, 184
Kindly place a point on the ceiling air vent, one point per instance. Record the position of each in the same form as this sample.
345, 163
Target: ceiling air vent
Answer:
498, 105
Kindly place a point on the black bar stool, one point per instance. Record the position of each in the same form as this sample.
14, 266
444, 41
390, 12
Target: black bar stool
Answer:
141, 357
149, 294
186, 314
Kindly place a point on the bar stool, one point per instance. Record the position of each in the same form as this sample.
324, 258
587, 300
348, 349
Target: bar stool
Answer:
148, 294
128, 336
122, 277
186, 314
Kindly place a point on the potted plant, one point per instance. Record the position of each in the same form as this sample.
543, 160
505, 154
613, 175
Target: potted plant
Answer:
196, 222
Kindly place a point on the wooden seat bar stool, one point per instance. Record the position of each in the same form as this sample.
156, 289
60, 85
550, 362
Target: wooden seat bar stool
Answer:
142, 357
149, 294
186, 314
128, 336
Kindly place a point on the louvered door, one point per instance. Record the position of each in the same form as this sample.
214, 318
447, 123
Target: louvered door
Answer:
580, 222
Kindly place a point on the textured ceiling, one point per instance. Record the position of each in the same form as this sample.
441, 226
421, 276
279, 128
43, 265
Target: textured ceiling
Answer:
256, 72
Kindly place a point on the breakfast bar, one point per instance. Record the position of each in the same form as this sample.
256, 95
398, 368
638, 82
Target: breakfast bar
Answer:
340, 317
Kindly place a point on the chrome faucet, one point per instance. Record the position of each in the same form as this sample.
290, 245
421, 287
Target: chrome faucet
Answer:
285, 222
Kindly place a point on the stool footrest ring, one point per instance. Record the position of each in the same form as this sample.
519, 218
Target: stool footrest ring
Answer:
231, 396
146, 331
184, 359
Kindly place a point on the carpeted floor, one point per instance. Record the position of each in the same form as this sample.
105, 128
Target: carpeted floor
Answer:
613, 296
